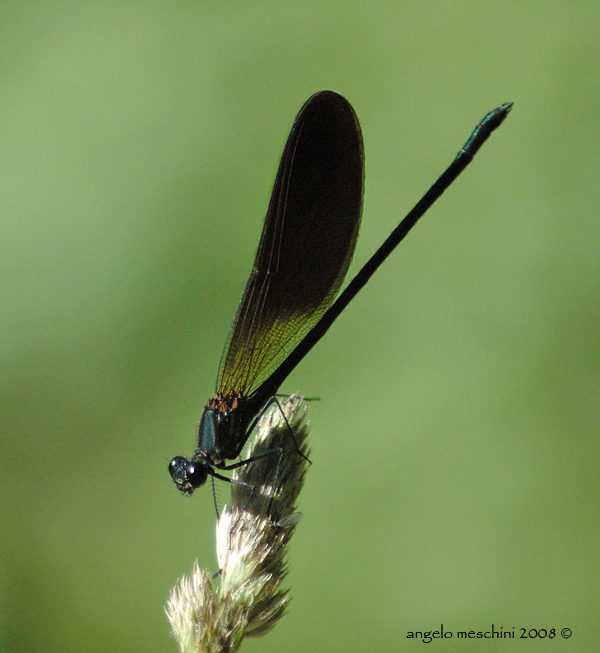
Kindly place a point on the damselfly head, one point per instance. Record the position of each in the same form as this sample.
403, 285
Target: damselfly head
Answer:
187, 475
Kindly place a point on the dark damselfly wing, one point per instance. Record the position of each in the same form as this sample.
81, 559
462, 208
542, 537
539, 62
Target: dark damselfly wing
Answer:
306, 245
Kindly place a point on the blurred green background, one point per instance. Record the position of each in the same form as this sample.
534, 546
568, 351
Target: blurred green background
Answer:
456, 475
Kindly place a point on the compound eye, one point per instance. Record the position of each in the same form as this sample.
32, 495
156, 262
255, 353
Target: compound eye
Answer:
197, 474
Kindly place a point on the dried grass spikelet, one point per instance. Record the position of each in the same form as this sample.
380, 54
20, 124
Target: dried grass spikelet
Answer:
211, 614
